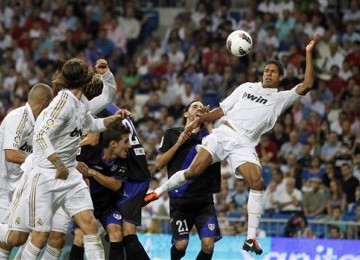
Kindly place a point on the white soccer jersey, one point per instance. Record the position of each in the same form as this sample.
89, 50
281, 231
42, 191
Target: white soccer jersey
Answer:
16, 133
60, 126
253, 110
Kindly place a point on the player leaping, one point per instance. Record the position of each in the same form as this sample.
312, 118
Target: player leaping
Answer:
251, 110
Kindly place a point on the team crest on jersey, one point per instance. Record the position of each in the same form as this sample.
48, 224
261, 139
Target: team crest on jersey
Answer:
40, 222
18, 221
211, 227
50, 122
117, 216
17, 141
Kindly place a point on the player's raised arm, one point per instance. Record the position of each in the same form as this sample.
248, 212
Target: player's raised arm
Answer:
308, 82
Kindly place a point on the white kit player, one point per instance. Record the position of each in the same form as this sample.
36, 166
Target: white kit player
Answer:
249, 111
58, 132
16, 143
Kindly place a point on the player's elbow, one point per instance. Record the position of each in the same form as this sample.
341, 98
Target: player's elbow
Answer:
116, 186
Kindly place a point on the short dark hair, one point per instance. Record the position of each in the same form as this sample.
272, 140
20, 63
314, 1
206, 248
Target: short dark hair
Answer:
114, 133
278, 64
187, 109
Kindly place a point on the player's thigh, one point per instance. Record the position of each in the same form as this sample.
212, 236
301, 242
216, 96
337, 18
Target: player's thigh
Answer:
181, 224
129, 202
206, 222
78, 205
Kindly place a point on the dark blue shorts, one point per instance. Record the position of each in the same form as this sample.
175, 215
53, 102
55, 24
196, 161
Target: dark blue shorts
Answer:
130, 200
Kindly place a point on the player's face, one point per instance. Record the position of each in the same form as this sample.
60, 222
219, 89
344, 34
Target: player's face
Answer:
193, 111
122, 147
271, 76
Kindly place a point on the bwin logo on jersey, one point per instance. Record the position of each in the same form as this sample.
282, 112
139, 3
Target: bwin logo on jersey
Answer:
26, 148
76, 132
255, 98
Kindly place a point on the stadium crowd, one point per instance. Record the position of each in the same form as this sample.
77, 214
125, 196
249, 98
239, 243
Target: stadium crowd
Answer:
311, 158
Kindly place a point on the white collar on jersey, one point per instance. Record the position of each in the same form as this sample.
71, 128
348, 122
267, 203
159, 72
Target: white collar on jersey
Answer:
272, 90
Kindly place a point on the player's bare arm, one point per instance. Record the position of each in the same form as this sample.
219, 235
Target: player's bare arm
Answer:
162, 159
106, 181
14, 156
62, 171
212, 116
111, 120
308, 82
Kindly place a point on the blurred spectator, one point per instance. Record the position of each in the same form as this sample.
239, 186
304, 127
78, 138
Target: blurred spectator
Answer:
330, 147
297, 226
239, 195
337, 198
289, 200
313, 171
354, 230
293, 145
352, 14
349, 185
270, 204
314, 202
334, 232
131, 28
267, 150
278, 134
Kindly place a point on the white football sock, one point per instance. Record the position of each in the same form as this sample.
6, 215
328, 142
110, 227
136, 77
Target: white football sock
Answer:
255, 209
51, 253
94, 249
175, 181
3, 232
30, 252
4, 255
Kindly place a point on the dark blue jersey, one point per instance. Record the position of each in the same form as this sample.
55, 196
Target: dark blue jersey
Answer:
136, 160
205, 184
101, 196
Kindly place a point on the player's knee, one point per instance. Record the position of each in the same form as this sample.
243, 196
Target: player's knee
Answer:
114, 232
17, 238
56, 240
181, 245
207, 247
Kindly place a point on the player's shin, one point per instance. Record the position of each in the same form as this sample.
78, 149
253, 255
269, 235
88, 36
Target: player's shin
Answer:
93, 247
173, 182
30, 251
255, 209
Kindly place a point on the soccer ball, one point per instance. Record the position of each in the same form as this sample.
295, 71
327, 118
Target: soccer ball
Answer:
239, 43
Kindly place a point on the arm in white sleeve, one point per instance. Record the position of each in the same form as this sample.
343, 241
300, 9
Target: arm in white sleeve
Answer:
107, 95
94, 124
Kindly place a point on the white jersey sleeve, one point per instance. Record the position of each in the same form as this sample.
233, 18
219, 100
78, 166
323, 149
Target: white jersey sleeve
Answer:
92, 124
107, 96
231, 100
286, 99
14, 126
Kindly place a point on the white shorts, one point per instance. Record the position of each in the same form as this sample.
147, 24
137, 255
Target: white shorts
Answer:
44, 195
226, 143
18, 217
61, 221
5, 204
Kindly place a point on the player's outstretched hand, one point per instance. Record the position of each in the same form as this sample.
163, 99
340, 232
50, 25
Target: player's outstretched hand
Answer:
204, 110
123, 112
62, 172
101, 66
190, 127
312, 44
